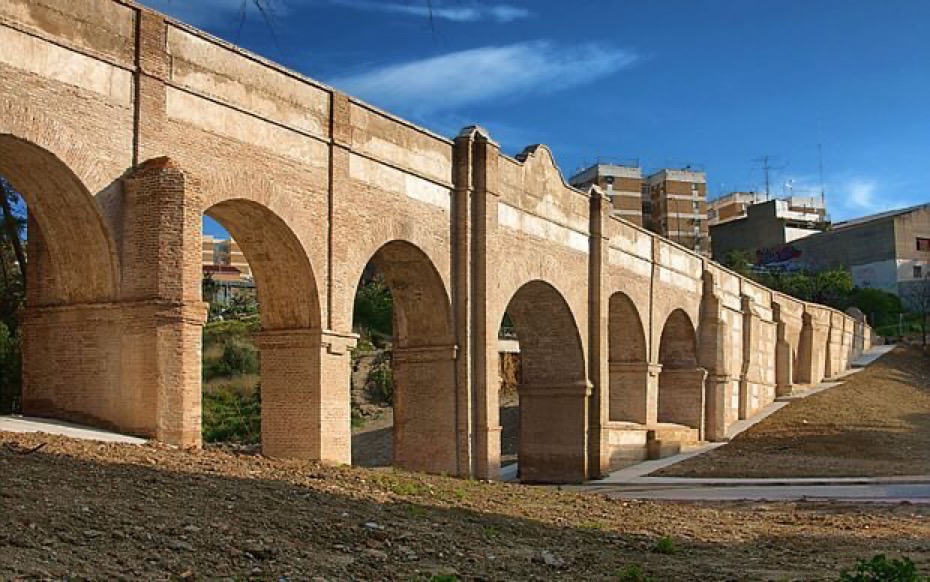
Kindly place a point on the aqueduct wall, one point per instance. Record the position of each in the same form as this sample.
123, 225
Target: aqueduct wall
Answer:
122, 128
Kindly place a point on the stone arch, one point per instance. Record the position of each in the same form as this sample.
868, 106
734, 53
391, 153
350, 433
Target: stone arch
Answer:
284, 278
72, 252
425, 435
628, 361
553, 387
290, 340
681, 381
71, 345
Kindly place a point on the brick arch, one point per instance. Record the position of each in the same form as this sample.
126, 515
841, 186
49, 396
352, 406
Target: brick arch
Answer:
72, 250
678, 344
422, 310
681, 397
284, 278
425, 434
627, 339
628, 361
553, 385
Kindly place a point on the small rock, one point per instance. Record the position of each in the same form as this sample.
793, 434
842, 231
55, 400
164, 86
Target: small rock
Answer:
376, 554
191, 528
373, 525
92, 533
178, 546
550, 559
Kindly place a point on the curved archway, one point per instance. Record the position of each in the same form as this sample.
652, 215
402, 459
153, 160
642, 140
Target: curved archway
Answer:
284, 278
70, 357
421, 360
553, 387
72, 253
289, 342
681, 381
629, 369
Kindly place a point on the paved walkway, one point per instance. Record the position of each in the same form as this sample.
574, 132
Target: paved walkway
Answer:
32, 424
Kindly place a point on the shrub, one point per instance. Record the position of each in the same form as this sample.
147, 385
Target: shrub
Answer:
881, 569
231, 415
238, 358
382, 380
665, 545
633, 573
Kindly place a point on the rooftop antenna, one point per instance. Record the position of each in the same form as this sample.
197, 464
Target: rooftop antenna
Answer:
823, 201
766, 168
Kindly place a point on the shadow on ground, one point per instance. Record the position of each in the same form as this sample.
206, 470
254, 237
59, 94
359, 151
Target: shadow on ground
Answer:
71, 509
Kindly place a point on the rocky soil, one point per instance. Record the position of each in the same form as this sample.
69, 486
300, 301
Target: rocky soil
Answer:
85, 509
877, 423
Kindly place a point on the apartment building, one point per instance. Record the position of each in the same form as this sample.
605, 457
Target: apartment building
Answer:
224, 252
678, 206
735, 205
623, 184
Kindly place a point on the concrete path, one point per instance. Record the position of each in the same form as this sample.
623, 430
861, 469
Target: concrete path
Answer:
915, 491
57, 427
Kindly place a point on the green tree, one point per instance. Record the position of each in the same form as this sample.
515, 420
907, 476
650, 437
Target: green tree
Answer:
374, 307
739, 262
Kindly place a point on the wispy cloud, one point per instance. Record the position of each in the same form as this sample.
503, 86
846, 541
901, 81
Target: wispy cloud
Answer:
454, 80
464, 12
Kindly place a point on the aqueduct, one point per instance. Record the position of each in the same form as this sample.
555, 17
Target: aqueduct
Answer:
122, 128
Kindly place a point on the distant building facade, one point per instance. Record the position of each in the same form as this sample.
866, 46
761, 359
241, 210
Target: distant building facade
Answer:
224, 252
762, 228
670, 202
888, 251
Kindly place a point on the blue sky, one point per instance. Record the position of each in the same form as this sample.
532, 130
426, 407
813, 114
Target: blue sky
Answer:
711, 83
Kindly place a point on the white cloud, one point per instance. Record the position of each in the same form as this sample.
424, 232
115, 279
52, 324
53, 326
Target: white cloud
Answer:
470, 12
451, 81
861, 193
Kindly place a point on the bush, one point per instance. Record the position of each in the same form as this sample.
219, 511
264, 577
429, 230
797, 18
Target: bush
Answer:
374, 308
238, 358
665, 545
881, 569
633, 573
382, 378
232, 415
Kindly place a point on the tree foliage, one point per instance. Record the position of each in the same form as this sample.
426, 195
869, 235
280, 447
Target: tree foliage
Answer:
12, 295
374, 308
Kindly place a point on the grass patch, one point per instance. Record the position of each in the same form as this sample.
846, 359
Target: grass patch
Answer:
665, 545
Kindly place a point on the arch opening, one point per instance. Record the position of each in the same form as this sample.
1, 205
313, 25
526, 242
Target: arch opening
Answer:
403, 384
57, 363
628, 362
552, 386
261, 344
681, 381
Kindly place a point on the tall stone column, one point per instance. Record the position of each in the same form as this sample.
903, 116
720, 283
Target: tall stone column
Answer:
716, 388
552, 439
482, 342
424, 439
305, 395
599, 371
162, 311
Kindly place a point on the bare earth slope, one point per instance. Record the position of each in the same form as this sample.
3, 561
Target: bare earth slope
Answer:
104, 510
875, 424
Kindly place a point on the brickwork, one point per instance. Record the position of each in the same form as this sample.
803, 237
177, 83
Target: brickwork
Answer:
153, 124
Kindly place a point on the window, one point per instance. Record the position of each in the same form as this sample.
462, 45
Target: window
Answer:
923, 244
918, 272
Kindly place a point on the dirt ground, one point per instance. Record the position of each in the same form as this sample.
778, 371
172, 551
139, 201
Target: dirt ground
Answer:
875, 424
84, 509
